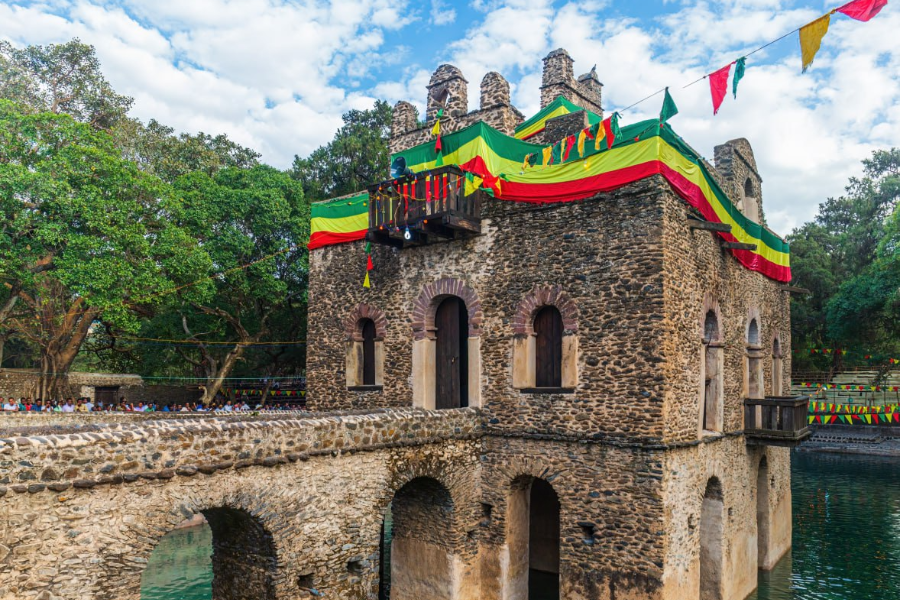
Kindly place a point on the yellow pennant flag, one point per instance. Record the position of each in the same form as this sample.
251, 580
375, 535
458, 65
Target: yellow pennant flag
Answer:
547, 152
601, 133
811, 38
366, 283
581, 137
472, 185
436, 130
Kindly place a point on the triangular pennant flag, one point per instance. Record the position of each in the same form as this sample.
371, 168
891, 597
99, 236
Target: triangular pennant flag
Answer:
862, 10
581, 137
366, 283
718, 86
368, 247
599, 134
810, 39
570, 141
668, 109
740, 65
556, 152
436, 130
369, 265
547, 156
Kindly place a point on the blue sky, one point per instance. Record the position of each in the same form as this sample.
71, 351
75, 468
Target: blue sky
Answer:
277, 74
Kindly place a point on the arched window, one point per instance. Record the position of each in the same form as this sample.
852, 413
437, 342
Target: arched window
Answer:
365, 329
548, 329
368, 351
545, 342
753, 365
712, 366
748, 188
777, 368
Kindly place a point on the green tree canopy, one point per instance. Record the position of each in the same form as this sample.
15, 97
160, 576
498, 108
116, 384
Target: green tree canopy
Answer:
848, 257
86, 236
62, 79
357, 156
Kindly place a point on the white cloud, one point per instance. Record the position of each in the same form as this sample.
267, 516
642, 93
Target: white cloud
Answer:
277, 74
273, 74
441, 14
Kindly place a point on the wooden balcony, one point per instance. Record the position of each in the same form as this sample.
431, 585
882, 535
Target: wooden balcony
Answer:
776, 421
424, 208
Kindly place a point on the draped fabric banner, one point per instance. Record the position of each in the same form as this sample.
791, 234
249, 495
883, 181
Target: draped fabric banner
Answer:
811, 38
340, 220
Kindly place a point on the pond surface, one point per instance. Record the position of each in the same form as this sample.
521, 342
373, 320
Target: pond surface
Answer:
846, 538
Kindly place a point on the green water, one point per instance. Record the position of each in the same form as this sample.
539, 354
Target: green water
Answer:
846, 538
180, 567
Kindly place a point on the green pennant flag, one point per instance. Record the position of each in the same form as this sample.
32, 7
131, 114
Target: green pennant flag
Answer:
368, 247
669, 109
614, 125
740, 66
556, 152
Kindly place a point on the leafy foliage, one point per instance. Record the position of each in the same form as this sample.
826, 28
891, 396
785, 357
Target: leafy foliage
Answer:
62, 79
357, 156
848, 257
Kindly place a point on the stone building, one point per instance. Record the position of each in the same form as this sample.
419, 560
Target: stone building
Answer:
623, 360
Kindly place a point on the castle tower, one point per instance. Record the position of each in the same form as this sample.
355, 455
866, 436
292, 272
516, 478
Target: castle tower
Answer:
737, 165
559, 80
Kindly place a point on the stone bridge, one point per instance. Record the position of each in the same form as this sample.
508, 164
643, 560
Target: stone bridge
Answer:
295, 504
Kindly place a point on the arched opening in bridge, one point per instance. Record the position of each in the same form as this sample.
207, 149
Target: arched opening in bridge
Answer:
532, 537
762, 514
711, 531
451, 354
416, 553
230, 556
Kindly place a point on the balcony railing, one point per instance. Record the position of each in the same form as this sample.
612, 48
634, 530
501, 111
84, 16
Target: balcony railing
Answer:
776, 421
424, 208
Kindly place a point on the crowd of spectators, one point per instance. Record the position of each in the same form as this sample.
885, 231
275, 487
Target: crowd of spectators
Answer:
85, 405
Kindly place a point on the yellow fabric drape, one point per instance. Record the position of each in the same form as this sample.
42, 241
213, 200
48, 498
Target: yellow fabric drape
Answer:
811, 38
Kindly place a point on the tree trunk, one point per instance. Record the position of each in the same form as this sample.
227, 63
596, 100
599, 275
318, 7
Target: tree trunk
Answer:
214, 382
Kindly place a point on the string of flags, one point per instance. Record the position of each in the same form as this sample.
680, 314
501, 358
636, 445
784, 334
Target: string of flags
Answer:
279, 393
853, 387
810, 35
855, 409
604, 134
844, 352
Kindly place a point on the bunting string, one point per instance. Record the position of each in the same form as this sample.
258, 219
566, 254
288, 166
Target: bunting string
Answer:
810, 36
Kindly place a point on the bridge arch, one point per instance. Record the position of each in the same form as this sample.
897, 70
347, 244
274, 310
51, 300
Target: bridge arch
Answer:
245, 552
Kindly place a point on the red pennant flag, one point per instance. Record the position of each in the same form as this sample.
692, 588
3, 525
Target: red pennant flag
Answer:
570, 141
862, 10
718, 86
607, 129
369, 265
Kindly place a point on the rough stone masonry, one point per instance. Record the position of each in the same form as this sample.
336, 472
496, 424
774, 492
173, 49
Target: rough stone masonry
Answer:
622, 483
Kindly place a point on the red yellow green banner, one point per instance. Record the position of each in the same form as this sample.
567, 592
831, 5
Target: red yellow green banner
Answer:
340, 220
511, 169
559, 107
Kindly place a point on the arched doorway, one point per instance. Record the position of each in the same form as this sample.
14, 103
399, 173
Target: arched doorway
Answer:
243, 560
762, 514
420, 562
532, 538
451, 321
711, 531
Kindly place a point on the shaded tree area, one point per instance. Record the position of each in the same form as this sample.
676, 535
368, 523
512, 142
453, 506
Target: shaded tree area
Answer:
115, 230
849, 258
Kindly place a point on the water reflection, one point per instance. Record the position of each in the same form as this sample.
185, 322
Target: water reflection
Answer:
180, 567
846, 532
846, 538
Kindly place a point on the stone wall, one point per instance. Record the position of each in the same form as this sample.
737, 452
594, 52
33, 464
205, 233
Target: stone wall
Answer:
302, 500
605, 254
699, 273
